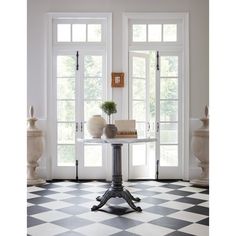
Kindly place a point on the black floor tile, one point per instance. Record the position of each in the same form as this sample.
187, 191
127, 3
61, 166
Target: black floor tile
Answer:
31, 221
180, 192
204, 221
72, 222
161, 210
121, 222
199, 210
190, 200
170, 223
36, 209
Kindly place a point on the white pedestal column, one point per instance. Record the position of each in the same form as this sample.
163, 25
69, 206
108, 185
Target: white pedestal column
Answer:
200, 148
35, 144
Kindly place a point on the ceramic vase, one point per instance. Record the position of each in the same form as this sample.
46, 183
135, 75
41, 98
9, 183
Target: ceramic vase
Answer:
110, 131
35, 146
200, 148
95, 126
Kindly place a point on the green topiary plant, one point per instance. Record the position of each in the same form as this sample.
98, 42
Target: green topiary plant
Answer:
109, 107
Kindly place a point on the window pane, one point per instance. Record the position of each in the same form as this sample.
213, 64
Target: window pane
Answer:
65, 66
169, 110
92, 108
65, 110
92, 155
79, 32
63, 33
169, 133
139, 33
141, 129
169, 32
169, 89
66, 155
94, 32
66, 88
93, 88
169, 66
139, 67
86, 132
168, 155
66, 133
139, 111
139, 89
139, 154
154, 33
93, 66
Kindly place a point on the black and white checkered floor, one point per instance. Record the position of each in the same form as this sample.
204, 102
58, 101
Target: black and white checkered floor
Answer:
63, 208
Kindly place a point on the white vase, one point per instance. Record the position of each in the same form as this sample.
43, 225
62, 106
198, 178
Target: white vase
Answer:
200, 148
95, 126
35, 145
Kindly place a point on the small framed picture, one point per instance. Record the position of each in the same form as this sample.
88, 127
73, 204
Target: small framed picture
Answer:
117, 79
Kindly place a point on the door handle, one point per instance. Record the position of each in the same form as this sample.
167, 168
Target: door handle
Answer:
148, 126
157, 127
81, 126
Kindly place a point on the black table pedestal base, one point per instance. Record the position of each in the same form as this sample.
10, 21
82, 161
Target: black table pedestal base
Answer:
117, 189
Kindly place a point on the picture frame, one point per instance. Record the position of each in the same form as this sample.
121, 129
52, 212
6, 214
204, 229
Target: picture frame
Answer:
117, 80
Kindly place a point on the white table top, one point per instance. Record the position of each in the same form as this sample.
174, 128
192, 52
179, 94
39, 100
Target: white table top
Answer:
116, 140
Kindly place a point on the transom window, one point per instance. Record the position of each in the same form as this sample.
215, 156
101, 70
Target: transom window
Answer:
154, 32
79, 31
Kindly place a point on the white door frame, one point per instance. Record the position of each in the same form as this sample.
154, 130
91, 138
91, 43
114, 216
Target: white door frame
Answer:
184, 18
50, 108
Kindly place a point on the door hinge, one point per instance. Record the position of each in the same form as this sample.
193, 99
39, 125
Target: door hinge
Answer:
77, 60
158, 66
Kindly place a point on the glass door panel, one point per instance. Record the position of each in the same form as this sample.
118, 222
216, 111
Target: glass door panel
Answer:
92, 81
79, 92
169, 119
141, 108
65, 81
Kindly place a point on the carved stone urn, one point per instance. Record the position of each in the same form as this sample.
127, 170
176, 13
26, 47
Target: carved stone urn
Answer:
200, 148
35, 144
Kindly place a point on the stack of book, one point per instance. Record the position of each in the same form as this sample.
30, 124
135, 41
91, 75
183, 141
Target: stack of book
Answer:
126, 129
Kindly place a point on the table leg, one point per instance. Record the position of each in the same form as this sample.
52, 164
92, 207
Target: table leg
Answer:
117, 189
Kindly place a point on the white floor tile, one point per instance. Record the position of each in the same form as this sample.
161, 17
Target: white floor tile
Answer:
96, 216
200, 196
32, 195
34, 189
88, 204
59, 196
167, 196
143, 216
46, 230
192, 189
196, 229
49, 216
176, 205
150, 230
204, 204
98, 230
56, 205
96, 189
160, 189
188, 216
64, 189
65, 183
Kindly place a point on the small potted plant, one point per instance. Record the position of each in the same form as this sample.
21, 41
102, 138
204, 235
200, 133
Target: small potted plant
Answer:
109, 107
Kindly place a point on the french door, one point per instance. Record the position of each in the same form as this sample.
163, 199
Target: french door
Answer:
79, 88
155, 103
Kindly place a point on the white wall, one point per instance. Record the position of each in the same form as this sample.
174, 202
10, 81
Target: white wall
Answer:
199, 47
